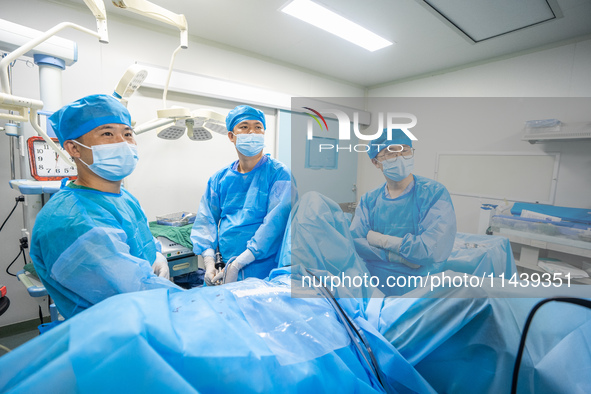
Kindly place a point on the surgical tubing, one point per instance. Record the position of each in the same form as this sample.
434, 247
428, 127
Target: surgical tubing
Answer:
349, 326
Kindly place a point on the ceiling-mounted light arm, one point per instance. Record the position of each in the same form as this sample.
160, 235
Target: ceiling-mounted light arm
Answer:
98, 9
17, 104
153, 124
12, 56
153, 11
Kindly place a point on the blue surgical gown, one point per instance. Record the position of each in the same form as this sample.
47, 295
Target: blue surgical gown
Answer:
245, 211
89, 245
423, 217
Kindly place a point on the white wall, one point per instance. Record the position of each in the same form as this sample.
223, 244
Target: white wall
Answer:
563, 71
171, 175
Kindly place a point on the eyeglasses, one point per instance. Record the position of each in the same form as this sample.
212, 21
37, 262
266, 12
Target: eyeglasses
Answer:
393, 151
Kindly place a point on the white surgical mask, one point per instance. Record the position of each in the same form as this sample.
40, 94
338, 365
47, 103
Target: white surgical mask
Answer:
112, 162
398, 168
250, 144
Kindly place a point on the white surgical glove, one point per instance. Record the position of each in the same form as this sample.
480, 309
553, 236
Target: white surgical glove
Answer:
230, 273
210, 270
382, 241
394, 257
160, 266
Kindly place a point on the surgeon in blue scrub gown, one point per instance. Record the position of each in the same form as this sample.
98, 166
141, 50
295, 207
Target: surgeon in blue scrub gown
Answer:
407, 226
245, 208
91, 240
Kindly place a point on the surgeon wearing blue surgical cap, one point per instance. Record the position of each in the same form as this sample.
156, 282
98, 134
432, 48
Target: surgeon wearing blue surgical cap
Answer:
407, 226
244, 211
91, 240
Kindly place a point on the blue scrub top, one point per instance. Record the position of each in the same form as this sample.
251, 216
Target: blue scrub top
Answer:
423, 217
245, 211
88, 245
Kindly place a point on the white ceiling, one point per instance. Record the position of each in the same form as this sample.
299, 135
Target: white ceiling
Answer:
424, 44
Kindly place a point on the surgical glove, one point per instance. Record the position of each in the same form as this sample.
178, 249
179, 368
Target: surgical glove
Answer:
394, 257
210, 270
160, 266
230, 273
382, 241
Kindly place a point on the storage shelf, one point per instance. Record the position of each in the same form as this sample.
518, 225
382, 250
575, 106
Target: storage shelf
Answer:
532, 244
556, 136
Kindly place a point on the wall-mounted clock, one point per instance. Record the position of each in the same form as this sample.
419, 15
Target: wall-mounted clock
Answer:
46, 164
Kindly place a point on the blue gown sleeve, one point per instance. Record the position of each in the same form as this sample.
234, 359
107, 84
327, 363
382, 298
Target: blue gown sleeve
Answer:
359, 229
204, 234
269, 236
158, 247
99, 265
436, 232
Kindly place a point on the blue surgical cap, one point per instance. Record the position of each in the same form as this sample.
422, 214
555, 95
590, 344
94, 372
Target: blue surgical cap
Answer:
78, 118
398, 138
242, 113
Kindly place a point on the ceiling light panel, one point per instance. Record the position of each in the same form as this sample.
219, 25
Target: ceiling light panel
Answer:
332, 22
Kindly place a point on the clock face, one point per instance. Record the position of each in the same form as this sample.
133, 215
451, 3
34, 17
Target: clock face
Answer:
46, 164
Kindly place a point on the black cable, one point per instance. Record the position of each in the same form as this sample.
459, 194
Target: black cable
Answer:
10, 265
576, 301
373, 364
18, 199
24, 244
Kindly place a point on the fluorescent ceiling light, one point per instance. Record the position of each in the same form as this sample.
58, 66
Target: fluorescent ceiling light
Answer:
333, 23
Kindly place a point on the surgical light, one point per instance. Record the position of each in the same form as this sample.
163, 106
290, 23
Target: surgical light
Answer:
332, 22
130, 82
199, 125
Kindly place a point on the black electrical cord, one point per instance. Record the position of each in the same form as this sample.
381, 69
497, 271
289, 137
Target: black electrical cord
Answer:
18, 199
576, 301
23, 245
22, 251
349, 325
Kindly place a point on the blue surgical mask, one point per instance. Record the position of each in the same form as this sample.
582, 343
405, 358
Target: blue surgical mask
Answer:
398, 168
250, 144
112, 162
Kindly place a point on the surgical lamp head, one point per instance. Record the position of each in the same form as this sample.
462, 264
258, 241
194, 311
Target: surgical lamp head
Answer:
130, 82
81, 116
382, 142
199, 126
